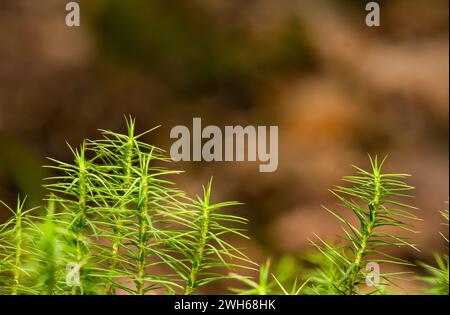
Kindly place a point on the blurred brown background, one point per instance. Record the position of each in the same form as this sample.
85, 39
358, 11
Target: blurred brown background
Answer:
337, 89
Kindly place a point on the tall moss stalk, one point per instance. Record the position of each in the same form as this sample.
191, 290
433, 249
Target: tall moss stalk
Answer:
375, 199
197, 261
18, 242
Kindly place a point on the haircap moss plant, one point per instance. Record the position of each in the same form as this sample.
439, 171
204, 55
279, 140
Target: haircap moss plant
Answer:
204, 248
341, 266
114, 221
373, 199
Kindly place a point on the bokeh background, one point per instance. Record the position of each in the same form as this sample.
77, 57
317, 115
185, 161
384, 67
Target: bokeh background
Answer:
336, 88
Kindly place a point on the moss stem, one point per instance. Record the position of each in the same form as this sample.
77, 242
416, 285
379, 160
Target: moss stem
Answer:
367, 234
81, 221
199, 256
18, 254
118, 225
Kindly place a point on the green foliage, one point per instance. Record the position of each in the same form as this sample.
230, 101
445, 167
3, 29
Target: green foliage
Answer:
438, 276
373, 200
49, 253
322, 276
263, 286
279, 282
341, 267
204, 247
13, 249
115, 220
